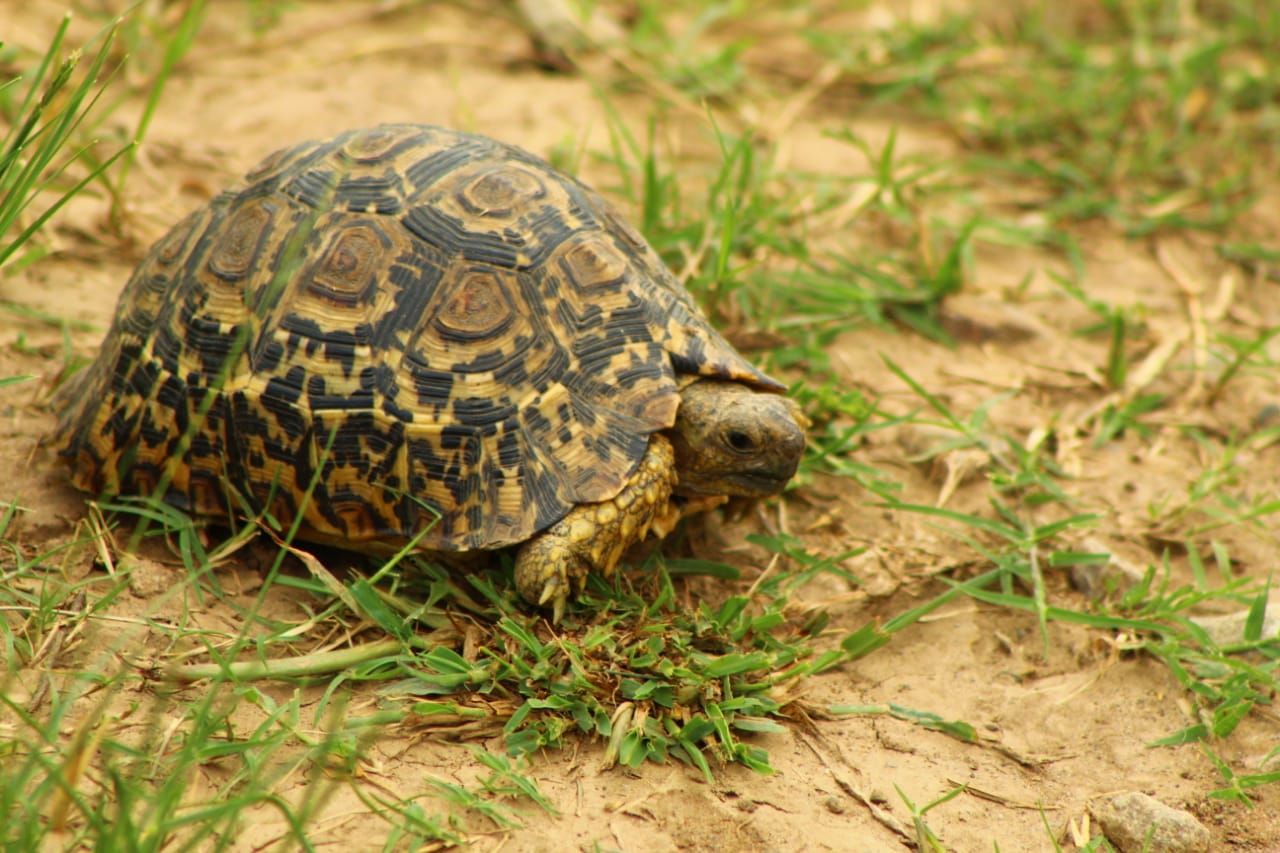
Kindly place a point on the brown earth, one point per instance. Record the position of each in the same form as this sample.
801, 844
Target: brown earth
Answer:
1056, 731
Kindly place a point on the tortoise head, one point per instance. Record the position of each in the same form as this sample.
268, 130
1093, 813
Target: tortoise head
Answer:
731, 439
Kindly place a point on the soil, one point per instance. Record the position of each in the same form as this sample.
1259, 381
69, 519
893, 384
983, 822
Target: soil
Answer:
1057, 729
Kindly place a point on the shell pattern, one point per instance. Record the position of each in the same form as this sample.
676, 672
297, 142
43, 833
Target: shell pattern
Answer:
399, 333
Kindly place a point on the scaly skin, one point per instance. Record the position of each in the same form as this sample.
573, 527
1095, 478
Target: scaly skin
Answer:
728, 440
554, 564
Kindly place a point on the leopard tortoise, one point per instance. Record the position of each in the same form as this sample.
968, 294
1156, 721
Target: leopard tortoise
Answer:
407, 334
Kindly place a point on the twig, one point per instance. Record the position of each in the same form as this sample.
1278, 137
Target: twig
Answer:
317, 663
882, 816
1191, 291
996, 798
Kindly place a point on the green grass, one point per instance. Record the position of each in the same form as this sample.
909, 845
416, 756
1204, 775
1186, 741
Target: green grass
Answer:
56, 146
155, 46
1141, 125
1144, 116
45, 111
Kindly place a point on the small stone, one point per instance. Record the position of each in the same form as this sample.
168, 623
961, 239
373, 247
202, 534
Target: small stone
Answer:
874, 577
1229, 629
878, 795
1135, 822
1096, 579
147, 578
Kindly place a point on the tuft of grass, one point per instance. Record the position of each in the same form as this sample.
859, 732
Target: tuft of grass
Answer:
710, 243
44, 125
156, 44
925, 838
100, 747
1143, 116
675, 49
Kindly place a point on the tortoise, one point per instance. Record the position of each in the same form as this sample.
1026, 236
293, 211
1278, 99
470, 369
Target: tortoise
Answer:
409, 335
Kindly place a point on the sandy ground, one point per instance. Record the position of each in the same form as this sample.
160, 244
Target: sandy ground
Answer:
1056, 731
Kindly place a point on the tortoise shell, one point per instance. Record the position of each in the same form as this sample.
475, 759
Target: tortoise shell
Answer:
400, 333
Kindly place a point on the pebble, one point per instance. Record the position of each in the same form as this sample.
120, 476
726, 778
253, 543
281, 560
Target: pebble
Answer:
1229, 629
1134, 822
148, 578
1096, 579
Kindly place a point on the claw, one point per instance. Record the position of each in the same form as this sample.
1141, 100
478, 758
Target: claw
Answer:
554, 565
554, 593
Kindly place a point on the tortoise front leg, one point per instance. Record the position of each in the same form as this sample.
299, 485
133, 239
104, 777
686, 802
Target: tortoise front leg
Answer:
554, 564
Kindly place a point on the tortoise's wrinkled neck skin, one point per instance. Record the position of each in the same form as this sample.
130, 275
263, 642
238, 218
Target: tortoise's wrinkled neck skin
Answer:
730, 439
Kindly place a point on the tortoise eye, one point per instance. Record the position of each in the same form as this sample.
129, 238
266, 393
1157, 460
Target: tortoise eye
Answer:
739, 441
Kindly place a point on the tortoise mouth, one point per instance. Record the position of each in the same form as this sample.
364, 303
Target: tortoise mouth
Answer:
750, 483
741, 484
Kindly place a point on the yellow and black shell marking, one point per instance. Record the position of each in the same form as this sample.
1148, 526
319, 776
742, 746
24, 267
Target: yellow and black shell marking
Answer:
400, 333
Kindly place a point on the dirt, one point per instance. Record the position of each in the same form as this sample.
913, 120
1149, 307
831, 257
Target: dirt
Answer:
1056, 730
